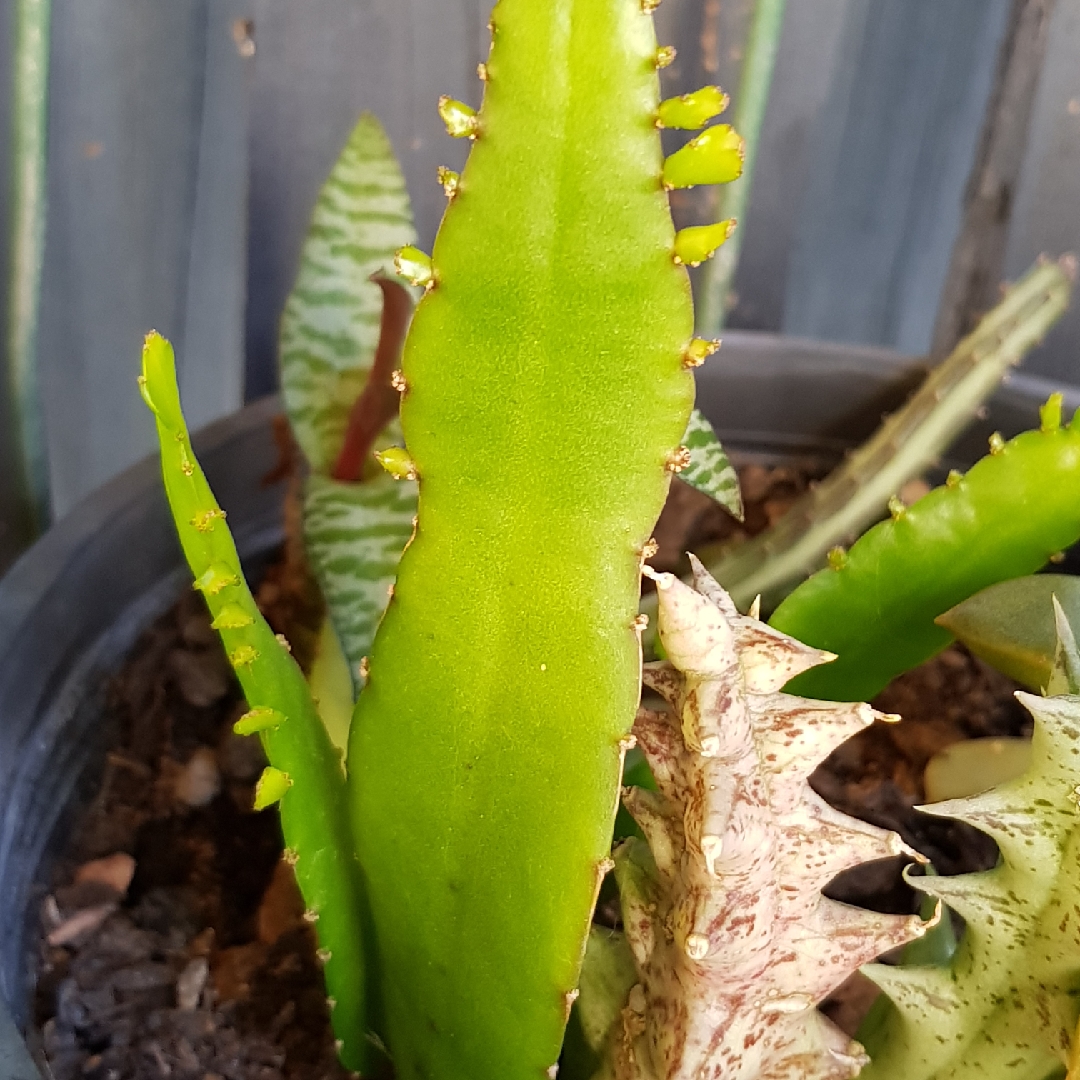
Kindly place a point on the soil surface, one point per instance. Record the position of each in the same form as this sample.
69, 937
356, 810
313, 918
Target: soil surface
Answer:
173, 940
173, 944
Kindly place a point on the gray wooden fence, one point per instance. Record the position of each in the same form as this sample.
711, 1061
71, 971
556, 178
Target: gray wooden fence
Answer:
188, 139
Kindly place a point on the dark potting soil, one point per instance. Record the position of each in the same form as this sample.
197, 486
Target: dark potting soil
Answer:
173, 944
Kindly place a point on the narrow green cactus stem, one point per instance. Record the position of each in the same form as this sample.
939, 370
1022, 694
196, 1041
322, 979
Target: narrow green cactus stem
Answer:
875, 609
305, 774
29, 120
733, 941
755, 83
906, 443
547, 395
1006, 1006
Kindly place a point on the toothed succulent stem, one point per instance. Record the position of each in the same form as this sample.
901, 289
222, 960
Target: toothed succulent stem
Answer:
722, 907
875, 608
1006, 1006
305, 776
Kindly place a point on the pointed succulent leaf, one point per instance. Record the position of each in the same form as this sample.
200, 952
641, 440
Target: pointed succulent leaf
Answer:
304, 777
696, 243
709, 469
333, 686
1012, 626
692, 110
607, 975
354, 534
1065, 674
713, 157
1006, 1005
330, 326
733, 940
974, 765
1006, 517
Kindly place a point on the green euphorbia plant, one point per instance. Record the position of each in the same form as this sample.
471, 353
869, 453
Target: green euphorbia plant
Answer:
450, 837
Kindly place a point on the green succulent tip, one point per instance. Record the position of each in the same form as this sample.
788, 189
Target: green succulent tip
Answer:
157, 384
261, 718
449, 181
460, 119
691, 111
415, 266
1050, 414
699, 350
714, 157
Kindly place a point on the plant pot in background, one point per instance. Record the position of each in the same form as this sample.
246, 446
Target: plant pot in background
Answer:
74, 604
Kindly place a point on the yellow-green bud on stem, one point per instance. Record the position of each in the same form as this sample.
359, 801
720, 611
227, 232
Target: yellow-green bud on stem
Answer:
691, 111
714, 157
697, 243
270, 787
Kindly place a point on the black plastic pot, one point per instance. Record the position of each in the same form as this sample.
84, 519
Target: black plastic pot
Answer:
73, 605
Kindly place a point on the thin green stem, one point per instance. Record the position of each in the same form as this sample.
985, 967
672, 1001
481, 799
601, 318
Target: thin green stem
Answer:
906, 443
28, 151
755, 82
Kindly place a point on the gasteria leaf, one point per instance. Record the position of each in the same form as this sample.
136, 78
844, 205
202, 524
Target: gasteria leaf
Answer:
355, 534
709, 470
330, 326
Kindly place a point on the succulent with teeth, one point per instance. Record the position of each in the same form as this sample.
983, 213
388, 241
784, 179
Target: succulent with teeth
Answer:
733, 942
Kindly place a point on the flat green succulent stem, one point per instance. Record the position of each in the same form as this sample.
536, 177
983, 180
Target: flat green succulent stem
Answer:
546, 399
875, 608
1007, 1004
303, 761
910, 440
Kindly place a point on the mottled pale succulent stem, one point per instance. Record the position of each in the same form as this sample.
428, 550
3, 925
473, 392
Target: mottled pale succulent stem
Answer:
1006, 1005
733, 941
